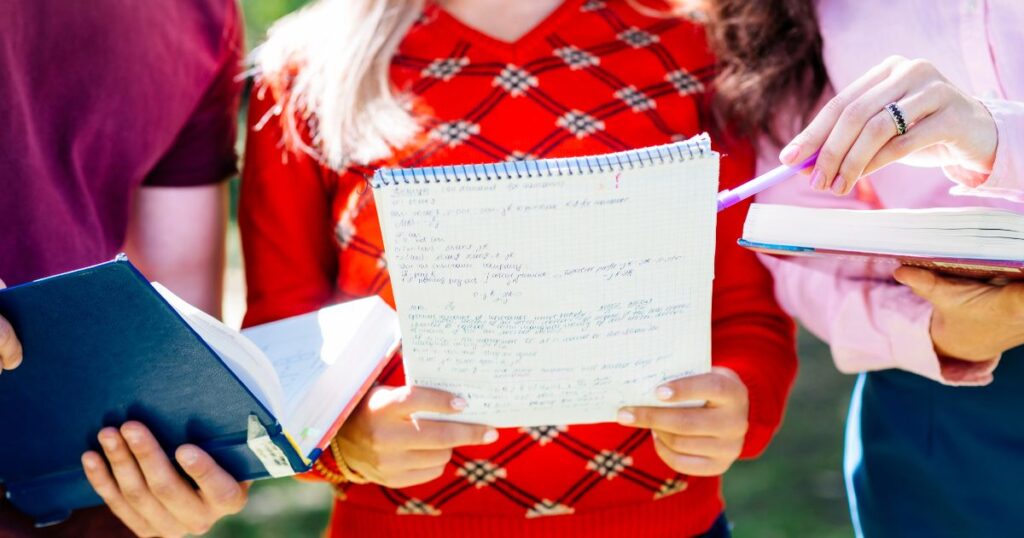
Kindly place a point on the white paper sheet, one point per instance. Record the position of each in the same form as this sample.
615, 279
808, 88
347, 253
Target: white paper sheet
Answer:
554, 300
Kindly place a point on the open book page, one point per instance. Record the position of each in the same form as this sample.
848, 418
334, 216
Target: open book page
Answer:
244, 359
323, 359
554, 298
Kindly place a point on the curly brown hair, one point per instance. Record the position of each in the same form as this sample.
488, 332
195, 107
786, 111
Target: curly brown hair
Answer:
769, 55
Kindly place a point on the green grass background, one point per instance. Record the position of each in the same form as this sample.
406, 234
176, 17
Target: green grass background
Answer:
794, 490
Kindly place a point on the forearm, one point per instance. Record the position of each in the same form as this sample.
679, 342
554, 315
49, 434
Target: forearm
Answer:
869, 321
177, 235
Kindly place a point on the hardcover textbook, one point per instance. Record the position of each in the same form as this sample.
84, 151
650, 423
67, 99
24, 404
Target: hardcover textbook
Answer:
102, 346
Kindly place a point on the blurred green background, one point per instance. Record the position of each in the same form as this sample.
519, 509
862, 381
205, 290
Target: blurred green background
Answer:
795, 489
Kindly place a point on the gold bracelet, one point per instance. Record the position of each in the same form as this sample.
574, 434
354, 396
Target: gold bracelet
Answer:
328, 474
350, 474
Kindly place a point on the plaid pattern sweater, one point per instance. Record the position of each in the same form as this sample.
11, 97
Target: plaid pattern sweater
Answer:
594, 77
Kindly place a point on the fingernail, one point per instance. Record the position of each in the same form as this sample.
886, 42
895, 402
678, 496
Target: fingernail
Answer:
187, 456
459, 404
108, 440
838, 185
131, 435
491, 436
789, 153
89, 462
817, 179
664, 393
625, 417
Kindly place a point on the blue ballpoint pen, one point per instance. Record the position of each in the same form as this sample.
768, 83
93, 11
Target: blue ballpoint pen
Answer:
731, 197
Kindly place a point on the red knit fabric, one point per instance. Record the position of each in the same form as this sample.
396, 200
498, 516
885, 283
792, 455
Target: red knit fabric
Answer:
594, 77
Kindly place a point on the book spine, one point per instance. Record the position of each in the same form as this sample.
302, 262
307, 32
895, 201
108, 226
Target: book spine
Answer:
696, 148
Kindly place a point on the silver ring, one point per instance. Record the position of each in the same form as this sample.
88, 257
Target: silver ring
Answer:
897, 117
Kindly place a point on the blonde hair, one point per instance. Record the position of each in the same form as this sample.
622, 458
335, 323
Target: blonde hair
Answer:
329, 66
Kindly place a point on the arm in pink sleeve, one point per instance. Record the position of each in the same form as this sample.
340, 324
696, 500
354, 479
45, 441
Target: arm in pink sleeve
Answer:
870, 321
1007, 178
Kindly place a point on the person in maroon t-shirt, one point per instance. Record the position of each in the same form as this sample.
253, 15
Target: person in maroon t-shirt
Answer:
119, 130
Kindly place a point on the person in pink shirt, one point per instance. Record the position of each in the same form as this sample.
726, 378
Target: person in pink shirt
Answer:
933, 438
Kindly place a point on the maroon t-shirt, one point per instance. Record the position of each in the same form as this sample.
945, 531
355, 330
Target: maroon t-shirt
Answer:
97, 99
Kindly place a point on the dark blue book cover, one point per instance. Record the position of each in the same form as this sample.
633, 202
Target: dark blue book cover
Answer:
101, 347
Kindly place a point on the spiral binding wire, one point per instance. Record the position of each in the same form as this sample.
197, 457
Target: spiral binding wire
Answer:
698, 147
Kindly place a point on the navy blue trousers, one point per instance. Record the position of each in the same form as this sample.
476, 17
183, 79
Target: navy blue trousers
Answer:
923, 459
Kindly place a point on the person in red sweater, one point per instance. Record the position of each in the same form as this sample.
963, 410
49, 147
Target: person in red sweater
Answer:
347, 86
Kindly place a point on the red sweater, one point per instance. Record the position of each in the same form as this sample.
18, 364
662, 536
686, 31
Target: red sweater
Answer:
594, 77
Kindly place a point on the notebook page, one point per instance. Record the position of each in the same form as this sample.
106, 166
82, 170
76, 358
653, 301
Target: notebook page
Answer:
557, 298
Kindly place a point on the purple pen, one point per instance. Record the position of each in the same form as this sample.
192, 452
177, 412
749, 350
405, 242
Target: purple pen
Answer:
731, 197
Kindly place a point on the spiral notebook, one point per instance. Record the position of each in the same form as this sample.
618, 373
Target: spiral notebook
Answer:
554, 291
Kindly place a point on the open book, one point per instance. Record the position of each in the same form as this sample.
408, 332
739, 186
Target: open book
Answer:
554, 291
103, 346
308, 370
971, 242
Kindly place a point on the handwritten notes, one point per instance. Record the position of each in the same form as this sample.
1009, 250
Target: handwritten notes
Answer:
554, 298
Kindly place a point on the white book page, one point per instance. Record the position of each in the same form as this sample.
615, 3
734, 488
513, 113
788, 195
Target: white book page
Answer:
323, 358
554, 300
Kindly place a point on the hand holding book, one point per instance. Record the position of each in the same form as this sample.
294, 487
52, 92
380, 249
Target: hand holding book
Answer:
145, 492
972, 320
10, 347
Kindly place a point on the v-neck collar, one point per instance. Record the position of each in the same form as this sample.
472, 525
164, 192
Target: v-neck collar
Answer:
510, 50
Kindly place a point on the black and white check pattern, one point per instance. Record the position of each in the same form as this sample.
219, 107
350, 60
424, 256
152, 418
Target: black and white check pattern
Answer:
576, 58
670, 487
580, 124
684, 82
635, 99
547, 507
609, 463
416, 507
453, 133
520, 156
445, 68
481, 473
637, 38
543, 434
515, 80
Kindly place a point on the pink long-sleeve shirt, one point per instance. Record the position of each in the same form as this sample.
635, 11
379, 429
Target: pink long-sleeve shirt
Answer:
870, 321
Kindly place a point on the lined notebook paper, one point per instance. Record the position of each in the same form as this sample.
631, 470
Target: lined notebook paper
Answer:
554, 291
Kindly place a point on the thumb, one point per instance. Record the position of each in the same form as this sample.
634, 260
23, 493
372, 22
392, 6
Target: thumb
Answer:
924, 283
937, 289
10, 348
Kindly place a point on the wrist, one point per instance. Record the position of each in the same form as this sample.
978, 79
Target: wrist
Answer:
344, 469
